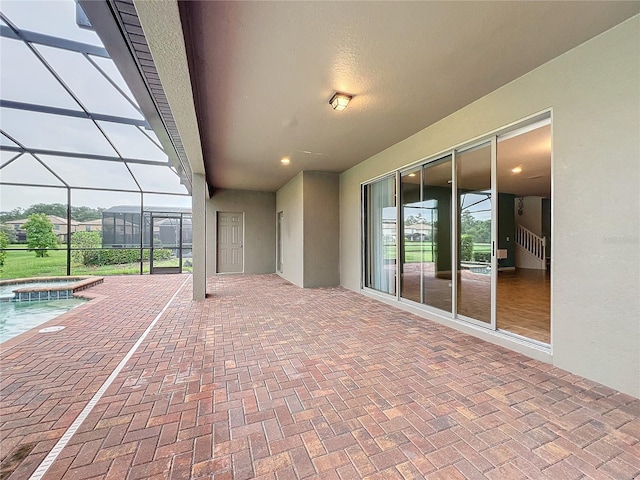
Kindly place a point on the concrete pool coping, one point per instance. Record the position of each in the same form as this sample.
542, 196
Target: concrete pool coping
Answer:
27, 293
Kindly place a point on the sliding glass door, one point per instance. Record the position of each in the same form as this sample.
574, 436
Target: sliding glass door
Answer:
380, 235
413, 235
426, 234
470, 226
475, 235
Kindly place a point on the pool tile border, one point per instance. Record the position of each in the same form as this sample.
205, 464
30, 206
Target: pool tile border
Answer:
44, 293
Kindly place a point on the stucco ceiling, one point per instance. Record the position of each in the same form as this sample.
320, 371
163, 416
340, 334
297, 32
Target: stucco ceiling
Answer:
263, 73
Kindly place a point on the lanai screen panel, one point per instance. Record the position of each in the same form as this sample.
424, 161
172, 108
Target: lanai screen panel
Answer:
73, 139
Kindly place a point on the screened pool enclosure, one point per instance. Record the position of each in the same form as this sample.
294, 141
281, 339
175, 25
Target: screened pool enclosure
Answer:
76, 146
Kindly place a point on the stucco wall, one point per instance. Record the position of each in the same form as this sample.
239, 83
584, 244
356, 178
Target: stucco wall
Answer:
321, 229
289, 201
594, 91
259, 228
199, 223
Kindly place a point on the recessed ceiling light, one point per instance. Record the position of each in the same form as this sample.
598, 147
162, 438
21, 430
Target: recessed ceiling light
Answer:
285, 161
516, 170
412, 174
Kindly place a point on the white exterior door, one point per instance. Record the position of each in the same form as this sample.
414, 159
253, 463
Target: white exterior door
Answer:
230, 255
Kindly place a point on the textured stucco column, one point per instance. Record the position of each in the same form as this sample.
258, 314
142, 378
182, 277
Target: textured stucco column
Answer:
198, 199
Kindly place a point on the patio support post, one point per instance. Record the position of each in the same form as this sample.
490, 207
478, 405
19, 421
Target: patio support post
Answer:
198, 198
68, 231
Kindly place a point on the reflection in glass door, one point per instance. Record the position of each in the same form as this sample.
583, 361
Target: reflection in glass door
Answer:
436, 203
426, 234
279, 247
380, 242
474, 245
413, 236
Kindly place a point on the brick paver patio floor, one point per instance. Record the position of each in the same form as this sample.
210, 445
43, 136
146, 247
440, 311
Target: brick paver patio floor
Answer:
267, 380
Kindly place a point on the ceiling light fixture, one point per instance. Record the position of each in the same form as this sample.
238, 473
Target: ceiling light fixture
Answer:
285, 161
516, 170
339, 101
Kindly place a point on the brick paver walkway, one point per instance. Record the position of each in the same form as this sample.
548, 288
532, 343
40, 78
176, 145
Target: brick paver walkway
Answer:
266, 380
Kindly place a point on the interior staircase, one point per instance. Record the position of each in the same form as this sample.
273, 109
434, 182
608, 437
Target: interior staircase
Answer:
531, 249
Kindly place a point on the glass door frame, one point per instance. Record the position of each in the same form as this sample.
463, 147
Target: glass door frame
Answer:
492, 138
455, 238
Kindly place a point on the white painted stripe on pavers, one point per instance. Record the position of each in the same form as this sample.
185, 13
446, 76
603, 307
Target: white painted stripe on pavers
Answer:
53, 454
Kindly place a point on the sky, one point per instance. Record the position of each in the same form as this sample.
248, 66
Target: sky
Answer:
24, 78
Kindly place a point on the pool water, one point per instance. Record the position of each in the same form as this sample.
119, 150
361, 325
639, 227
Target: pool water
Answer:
6, 291
18, 317
481, 270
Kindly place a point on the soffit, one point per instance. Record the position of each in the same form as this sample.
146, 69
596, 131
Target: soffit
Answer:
263, 73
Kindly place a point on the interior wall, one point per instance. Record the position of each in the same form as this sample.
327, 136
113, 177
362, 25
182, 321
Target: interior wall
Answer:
506, 229
546, 223
289, 201
531, 217
594, 92
259, 210
321, 200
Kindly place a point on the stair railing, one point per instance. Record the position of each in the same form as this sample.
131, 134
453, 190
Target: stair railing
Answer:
531, 242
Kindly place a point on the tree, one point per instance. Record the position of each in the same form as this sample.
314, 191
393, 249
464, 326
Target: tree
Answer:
14, 214
84, 240
4, 242
415, 220
57, 209
9, 231
467, 222
466, 248
84, 214
480, 230
80, 214
40, 234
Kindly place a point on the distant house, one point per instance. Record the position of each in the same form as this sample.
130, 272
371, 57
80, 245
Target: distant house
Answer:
90, 226
59, 227
418, 232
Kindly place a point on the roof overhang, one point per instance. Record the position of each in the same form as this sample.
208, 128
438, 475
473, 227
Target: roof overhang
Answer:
118, 25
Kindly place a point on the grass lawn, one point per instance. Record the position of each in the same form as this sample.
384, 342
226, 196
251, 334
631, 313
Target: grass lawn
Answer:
481, 247
418, 252
24, 264
415, 252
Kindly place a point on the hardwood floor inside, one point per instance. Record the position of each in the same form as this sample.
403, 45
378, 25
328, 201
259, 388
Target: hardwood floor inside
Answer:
524, 303
524, 297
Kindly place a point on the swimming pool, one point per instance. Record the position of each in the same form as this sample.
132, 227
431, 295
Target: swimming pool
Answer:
6, 291
19, 317
26, 303
44, 288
